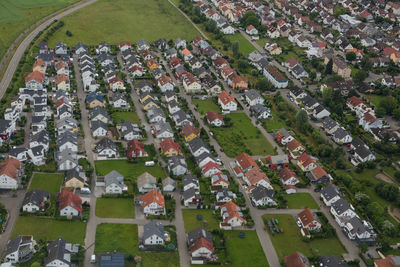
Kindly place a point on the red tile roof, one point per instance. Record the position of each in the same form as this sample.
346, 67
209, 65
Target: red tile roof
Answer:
212, 115
35, 76
168, 144
226, 98
67, 198
201, 243
153, 196
306, 217
286, 173
255, 175
10, 167
62, 78
189, 129
246, 161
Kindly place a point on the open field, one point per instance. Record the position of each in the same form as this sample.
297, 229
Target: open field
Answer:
205, 106
129, 170
125, 116
191, 221
245, 47
291, 241
47, 181
246, 251
18, 15
115, 208
116, 21
300, 201
242, 136
50, 229
124, 238
275, 123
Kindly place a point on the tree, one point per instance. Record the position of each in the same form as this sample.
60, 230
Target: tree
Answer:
313, 75
68, 33
366, 64
388, 228
363, 247
211, 26
302, 120
351, 56
359, 76
235, 49
329, 66
35, 264
250, 18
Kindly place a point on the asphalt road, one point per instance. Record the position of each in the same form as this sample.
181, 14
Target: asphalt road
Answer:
12, 66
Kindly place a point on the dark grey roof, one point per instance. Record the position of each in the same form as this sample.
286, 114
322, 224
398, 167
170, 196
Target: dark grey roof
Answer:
37, 150
357, 142
176, 161
197, 143
41, 137
319, 109
189, 179
330, 192
56, 251
308, 101
258, 109
340, 206
329, 123
105, 143
203, 156
111, 260
363, 152
13, 245
261, 192
98, 110
224, 193
296, 91
98, 124
340, 133
298, 69
73, 173
191, 192
142, 43
66, 137
36, 197
153, 228
38, 119
16, 151
197, 234
332, 261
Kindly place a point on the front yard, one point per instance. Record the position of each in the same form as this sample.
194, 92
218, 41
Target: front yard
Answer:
115, 208
204, 106
291, 241
246, 250
50, 229
123, 238
191, 220
300, 201
245, 47
130, 170
47, 181
118, 117
241, 136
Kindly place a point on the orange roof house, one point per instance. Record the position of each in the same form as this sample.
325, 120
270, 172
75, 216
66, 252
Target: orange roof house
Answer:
170, 148
189, 132
245, 162
153, 203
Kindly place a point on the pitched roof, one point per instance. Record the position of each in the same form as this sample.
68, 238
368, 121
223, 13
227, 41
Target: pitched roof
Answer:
67, 198
153, 196
201, 243
35, 76
246, 161
10, 167
296, 260
189, 129
306, 217
286, 173
168, 144
212, 116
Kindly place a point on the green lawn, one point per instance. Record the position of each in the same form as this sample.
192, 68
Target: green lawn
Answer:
300, 201
128, 169
191, 221
375, 99
50, 229
242, 136
115, 21
291, 241
205, 106
245, 251
47, 181
262, 41
245, 47
125, 116
18, 15
115, 208
275, 123
124, 238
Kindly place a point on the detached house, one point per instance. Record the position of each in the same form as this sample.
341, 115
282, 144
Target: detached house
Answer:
20, 249
342, 211
306, 163
11, 172
215, 119
59, 253
106, 148
309, 220
253, 97
170, 148
227, 102
135, 149
69, 204
35, 200
146, 182
330, 194
231, 216
288, 177
251, 30
153, 203
114, 183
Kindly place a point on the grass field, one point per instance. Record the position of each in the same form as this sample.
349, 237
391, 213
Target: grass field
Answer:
115, 208
275, 123
291, 241
191, 221
18, 15
242, 136
50, 229
125, 116
47, 181
375, 99
127, 169
124, 238
205, 106
245, 47
245, 251
115, 21
300, 201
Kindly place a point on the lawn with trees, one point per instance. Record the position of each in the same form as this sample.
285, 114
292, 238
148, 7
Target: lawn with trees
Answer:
240, 135
204, 106
291, 240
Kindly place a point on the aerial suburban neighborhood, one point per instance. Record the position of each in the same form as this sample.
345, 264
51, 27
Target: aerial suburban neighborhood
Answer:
182, 133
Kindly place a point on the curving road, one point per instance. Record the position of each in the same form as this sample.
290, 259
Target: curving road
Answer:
12, 66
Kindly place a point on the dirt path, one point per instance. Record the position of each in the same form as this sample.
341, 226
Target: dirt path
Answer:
384, 177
